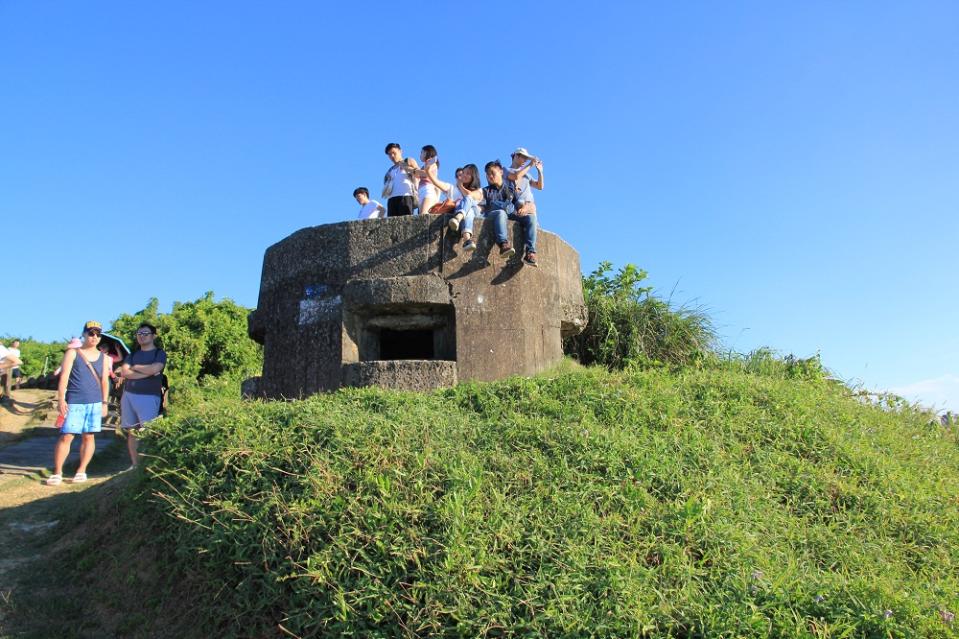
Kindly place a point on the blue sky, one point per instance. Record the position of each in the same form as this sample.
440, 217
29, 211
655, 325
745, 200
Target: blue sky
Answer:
792, 168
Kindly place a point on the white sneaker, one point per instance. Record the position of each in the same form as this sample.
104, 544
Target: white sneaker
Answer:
79, 478
54, 480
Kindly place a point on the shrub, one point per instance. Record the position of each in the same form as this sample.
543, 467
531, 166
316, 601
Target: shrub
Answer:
626, 323
38, 355
202, 338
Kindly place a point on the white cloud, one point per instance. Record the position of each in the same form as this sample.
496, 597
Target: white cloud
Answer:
940, 393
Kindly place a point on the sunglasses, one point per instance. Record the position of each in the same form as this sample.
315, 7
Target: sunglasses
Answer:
93, 333
143, 333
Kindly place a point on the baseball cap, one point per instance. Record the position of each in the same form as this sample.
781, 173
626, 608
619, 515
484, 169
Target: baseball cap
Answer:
522, 151
93, 324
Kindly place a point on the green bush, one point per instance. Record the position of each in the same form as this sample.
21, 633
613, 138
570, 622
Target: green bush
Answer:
37, 355
716, 502
202, 338
765, 361
627, 324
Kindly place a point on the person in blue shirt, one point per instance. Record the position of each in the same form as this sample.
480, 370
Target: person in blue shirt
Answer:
501, 204
142, 373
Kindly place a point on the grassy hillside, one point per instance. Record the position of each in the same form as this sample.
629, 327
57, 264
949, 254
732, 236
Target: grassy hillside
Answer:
715, 502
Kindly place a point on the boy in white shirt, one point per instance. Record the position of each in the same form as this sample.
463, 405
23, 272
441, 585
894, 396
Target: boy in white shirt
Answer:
369, 209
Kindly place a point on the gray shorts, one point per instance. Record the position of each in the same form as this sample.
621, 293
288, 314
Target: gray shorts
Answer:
137, 410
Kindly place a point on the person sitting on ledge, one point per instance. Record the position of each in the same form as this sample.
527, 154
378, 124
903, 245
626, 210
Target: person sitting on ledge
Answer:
468, 195
500, 199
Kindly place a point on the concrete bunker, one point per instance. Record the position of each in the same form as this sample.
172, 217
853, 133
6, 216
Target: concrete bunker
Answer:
397, 303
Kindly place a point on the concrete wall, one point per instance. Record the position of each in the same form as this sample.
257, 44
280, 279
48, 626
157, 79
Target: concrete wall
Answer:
334, 296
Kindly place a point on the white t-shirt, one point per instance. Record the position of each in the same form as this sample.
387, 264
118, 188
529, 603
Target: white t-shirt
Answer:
370, 211
13, 352
402, 182
454, 193
3, 351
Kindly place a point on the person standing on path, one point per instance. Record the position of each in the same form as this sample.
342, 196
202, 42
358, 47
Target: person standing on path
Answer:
142, 372
82, 396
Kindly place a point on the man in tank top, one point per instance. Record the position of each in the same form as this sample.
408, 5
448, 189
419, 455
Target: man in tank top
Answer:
82, 395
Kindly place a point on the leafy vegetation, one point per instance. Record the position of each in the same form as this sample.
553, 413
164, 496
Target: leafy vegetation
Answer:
628, 324
202, 338
737, 499
38, 357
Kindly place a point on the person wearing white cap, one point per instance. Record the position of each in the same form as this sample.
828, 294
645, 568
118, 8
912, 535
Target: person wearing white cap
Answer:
518, 173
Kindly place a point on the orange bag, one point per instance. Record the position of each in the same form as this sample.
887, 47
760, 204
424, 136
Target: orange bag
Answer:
442, 208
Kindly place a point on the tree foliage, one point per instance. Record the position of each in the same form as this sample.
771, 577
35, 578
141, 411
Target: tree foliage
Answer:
627, 323
38, 357
204, 337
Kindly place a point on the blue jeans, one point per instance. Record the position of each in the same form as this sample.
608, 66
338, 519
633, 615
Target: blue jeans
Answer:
527, 222
470, 210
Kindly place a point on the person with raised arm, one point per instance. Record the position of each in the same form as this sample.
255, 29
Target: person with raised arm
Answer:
426, 189
518, 173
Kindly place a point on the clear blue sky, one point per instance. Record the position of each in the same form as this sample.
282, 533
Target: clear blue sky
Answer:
793, 168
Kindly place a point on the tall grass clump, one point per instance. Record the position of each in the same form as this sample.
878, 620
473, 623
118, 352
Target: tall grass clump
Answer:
628, 324
713, 502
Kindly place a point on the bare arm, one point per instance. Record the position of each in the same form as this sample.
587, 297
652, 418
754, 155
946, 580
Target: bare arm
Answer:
540, 181
141, 371
105, 385
520, 172
68, 358
440, 184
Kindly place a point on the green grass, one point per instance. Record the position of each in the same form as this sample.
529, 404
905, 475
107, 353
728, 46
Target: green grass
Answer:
740, 500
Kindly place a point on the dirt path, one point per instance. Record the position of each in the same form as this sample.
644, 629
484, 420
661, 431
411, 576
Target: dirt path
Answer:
26, 409
29, 509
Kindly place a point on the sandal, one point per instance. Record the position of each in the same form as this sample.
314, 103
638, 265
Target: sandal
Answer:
54, 480
79, 478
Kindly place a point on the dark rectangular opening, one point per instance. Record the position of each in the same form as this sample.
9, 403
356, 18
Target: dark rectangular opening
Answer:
412, 344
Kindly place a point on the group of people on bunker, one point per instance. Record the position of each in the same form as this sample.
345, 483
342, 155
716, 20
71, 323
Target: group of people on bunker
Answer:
83, 394
508, 195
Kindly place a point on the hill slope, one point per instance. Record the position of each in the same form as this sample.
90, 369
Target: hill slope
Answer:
586, 503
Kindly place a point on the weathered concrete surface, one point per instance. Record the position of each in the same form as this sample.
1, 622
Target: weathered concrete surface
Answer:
402, 289
410, 374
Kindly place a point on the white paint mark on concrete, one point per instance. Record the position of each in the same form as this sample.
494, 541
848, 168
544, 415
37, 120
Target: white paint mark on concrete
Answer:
318, 310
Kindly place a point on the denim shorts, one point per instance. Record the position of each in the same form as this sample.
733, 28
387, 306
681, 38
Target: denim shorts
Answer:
82, 418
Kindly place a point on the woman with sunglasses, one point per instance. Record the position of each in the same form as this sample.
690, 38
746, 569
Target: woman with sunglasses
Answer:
82, 396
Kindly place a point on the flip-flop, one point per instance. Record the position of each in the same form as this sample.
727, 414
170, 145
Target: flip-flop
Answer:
54, 480
79, 478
